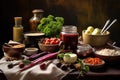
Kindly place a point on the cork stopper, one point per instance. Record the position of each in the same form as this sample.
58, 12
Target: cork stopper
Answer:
37, 11
18, 20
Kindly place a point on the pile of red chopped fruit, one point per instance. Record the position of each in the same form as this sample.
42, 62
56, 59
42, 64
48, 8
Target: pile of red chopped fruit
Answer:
51, 41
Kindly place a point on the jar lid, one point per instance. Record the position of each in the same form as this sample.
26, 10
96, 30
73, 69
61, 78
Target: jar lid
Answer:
33, 34
18, 20
69, 29
37, 10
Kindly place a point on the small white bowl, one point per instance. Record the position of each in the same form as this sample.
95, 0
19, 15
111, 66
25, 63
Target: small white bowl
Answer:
30, 51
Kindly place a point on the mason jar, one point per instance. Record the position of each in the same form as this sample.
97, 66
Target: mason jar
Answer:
69, 37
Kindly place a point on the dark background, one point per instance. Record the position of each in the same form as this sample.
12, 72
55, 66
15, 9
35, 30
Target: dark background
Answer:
81, 13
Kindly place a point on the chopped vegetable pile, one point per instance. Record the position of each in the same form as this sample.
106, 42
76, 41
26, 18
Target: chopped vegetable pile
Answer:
93, 61
51, 25
51, 41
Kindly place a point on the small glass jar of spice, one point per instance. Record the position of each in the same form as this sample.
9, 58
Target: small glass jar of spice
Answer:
35, 20
18, 30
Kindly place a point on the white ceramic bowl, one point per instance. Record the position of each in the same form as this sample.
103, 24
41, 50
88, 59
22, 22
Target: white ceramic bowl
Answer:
30, 51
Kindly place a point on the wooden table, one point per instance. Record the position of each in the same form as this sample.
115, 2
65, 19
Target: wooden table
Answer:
108, 72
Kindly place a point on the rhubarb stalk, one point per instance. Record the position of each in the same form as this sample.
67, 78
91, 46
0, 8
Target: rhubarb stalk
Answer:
39, 60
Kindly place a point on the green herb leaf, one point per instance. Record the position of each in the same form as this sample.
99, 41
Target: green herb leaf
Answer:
83, 69
87, 68
26, 62
60, 56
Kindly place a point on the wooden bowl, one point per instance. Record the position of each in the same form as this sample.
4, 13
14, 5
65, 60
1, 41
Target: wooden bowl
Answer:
13, 50
48, 47
94, 66
95, 40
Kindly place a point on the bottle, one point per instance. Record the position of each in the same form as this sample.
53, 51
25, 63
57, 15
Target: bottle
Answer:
35, 20
18, 30
69, 37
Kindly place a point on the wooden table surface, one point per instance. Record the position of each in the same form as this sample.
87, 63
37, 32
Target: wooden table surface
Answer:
108, 72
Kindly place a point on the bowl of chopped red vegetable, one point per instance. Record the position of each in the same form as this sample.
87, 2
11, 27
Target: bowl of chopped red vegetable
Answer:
94, 63
49, 44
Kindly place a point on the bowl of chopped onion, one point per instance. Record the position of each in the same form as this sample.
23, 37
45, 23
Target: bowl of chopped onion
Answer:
108, 54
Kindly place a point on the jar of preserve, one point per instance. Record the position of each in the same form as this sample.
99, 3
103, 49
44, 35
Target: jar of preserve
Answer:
35, 20
69, 37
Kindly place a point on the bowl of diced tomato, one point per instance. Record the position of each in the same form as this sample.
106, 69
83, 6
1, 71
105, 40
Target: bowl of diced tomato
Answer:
94, 63
49, 44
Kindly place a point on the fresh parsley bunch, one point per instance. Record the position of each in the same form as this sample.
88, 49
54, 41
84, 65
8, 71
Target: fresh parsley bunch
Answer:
51, 25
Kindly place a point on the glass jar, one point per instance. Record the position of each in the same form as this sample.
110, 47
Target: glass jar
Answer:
69, 36
35, 20
18, 30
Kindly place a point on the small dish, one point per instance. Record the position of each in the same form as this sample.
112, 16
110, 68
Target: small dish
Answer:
30, 51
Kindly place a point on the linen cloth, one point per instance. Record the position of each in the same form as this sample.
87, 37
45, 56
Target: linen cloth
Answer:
35, 73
